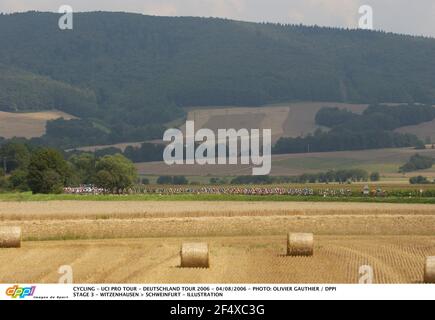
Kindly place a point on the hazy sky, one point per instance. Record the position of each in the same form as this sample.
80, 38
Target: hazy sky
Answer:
401, 16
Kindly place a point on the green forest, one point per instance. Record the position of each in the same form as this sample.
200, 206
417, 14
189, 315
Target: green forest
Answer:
126, 75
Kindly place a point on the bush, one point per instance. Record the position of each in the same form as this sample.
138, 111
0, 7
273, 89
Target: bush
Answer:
253, 180
115, 173
3, 183
218, 181
18, 180
417, 162
165, 180
175, 180
214, 180
419, 180
180, 180
375, 176
420, 146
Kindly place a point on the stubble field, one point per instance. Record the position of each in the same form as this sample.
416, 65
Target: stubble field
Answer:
28, 125
139, 242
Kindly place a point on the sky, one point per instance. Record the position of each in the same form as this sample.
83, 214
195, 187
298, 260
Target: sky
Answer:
415, 17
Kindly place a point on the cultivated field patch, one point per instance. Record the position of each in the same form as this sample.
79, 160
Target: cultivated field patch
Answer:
286, 119
336, 259
139, 242
106, 220
385, 161
27, 125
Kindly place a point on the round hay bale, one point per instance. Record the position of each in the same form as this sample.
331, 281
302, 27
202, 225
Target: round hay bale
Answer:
194, 255
429, 270
300, 244
10, 237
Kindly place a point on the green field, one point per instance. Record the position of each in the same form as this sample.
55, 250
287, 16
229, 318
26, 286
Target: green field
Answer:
309, 164
212, 197
385, 161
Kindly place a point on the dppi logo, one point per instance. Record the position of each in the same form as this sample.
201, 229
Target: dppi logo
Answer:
18, 292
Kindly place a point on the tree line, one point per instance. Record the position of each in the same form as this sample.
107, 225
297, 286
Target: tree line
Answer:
421, 180
45, 170
146, 152
340, 176
376, 117
348, 131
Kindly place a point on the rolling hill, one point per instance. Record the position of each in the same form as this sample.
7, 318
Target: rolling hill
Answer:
385, 161
23, 91
135, 73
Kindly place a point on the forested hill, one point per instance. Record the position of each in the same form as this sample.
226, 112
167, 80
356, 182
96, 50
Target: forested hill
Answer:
134, 71
24, 91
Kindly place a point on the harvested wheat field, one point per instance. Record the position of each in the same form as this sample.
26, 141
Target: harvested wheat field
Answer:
232, 260
78, 210
65, 220
214, 227
28, 125
139, 242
